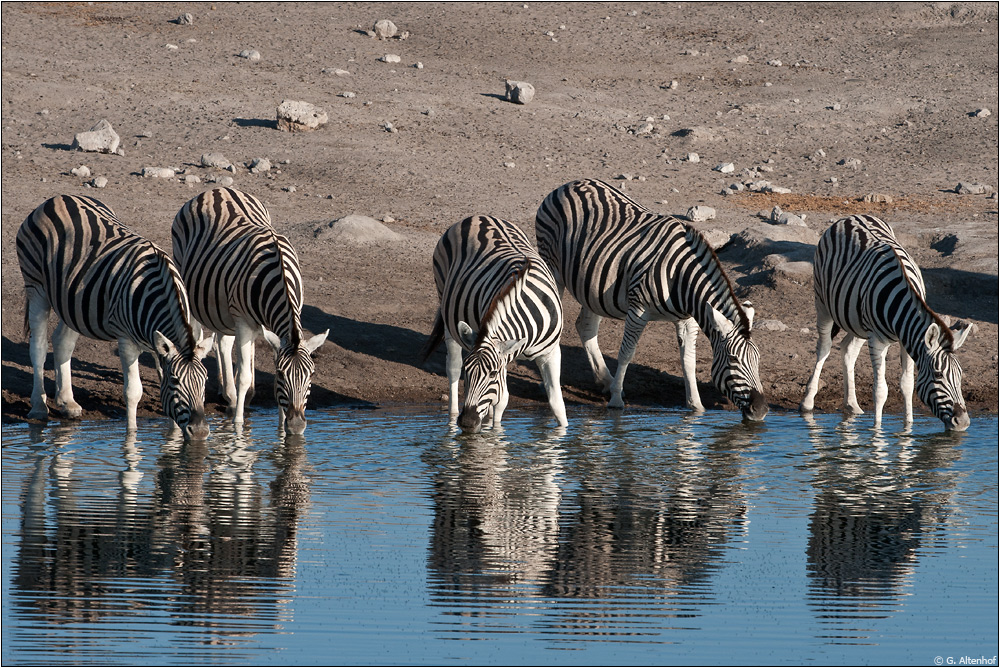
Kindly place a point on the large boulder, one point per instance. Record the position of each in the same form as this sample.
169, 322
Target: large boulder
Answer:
356, 229
295, 116
101, 138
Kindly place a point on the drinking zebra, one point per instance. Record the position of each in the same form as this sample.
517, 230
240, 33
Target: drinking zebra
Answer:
244, 281
499, 302
620, 260
106, 282
869, 286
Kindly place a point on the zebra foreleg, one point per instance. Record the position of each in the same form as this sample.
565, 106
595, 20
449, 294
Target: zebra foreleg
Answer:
687, 338
245, 335
851, 347
878, 349
906, 383
63, 343
454, 371
587, 324
635, 322
37, 316
128, 352
227, 380
549, 367
824, 342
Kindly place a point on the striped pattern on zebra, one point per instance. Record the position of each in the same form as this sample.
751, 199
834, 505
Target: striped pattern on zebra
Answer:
869, 286
106, 282
499, 302
244, 281
620, 260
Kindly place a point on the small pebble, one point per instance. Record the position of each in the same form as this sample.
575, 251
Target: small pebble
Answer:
82, 171
99, 182
253, 55
389, 58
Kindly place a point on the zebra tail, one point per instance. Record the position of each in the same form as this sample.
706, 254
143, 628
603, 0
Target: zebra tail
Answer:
436, 337
834, 331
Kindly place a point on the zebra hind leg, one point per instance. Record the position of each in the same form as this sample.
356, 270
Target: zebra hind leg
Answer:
63, 343
851, 346
587, 324
635, 323
37, 319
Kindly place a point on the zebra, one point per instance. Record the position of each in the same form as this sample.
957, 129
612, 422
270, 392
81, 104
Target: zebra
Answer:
106, 282
499, 302
622, 261
868, 285
243, 280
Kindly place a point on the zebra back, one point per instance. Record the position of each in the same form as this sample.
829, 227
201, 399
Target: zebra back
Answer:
235, 264
604, 247
100, 277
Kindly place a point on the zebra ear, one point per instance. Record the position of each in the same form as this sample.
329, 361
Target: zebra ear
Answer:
203, 346
315, 342
961, 332
749, 310
722, 323
508, 347
467, 334
164, 347
272, 339
931, 336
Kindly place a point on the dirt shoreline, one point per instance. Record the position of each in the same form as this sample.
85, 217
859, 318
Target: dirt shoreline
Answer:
895, 87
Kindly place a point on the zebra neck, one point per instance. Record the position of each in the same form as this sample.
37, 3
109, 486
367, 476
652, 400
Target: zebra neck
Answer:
158, 304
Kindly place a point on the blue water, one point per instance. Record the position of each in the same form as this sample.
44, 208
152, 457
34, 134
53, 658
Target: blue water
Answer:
383, 537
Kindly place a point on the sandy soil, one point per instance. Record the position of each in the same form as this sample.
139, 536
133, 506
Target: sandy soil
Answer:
895, 86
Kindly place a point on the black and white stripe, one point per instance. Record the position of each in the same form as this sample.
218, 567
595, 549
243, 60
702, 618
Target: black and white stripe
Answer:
499, 302
620, 260
106, 282
869, 286
244, 281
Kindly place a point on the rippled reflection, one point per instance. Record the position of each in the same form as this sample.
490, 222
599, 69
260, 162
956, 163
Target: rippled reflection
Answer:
611, 532
197, 545
879, 497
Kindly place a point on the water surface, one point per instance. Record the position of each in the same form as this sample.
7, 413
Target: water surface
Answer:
383, 537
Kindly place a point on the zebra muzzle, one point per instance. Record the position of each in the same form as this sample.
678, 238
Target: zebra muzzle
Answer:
959, 420
469, 420
756, 408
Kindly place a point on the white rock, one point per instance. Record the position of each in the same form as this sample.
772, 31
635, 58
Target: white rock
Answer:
215, 160
289, 189
777, 190
390, 58
294, 116
774, 63
99, 182
879, 198
981, 113
724, 167
419, 65
389, 127
973, 189
184, 20
101, 138
158, 172
191, 179
519, 92
851, 163
693, 157
172, 47
260, 166
347, 94
253, 55
770, 325
222, 180
82, 171
356, 229
700, 213
509, 165
384, 29
740, 59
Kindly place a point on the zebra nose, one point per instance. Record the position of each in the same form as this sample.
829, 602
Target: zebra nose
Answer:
756, 409
197, 429
295, 421
959, 420
469, 420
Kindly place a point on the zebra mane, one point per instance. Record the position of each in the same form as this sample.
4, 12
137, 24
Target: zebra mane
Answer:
177, 284
942, 325
519, 273
295, 334
696, 236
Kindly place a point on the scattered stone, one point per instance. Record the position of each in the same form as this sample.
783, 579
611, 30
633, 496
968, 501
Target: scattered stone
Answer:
758, 186
158, 172
99, 182
693, 157
770, 325
191, 179
389, 58
973, 189
347, 94
184, 20
101, 138
296, 116
388, 219
877, 198
419, 65
336, 71
724, 167
259, 166
82, 171
700, 213
289, 189
216, 160
980, 113
509, 165
851, 163
690, 52
222, 180
832, 179
834, 107
384, 29
762, 247
779, 217
389, 127
670, 86
356, 229
624, 176
740, 59
253, 55
778, 190
519, 92
774, 63
716, 238
172, 47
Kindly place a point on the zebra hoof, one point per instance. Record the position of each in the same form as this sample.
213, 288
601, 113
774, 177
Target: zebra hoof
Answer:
40, 413
71, 410
616, 404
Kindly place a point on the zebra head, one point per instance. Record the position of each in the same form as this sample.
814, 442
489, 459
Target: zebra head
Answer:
182, 385
485, 370
939, 375
735, 363
293, 370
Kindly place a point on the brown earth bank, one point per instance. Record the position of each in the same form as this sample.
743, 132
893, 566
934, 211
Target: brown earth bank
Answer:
831, 101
